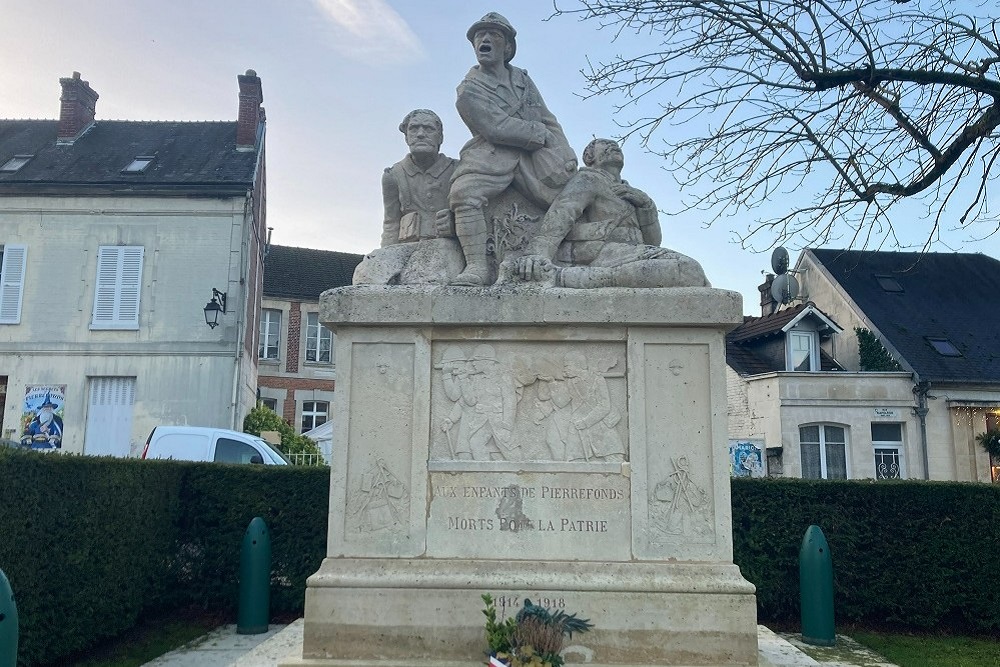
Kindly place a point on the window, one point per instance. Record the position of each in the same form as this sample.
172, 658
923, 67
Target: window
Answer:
314, 413
823, 448
270, 328
15, 163
12, 266
270, 403
319, 340
234, 451
803, 352
887, 442
118, 286
944, 347
888, 283
138, 165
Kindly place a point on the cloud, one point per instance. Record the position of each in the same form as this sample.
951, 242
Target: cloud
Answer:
370, 31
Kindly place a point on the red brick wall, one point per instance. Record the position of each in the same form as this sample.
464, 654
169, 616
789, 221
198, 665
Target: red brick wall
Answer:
295, 383
294, 337
288, 409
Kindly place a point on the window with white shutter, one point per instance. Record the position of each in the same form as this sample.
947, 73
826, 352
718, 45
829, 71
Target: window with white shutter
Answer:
12, 266
118, 286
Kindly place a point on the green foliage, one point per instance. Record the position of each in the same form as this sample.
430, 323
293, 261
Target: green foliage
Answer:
873, 355
90, 543
263, 418
990, 441
532, 638
915, 555
498, 633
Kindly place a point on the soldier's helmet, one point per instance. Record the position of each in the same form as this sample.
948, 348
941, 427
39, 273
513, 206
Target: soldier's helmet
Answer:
495, 20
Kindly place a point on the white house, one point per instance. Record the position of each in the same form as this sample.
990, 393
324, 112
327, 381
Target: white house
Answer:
797, 382
114, 236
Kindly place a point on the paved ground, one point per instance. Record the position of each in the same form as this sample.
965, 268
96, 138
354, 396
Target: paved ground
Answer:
224, 648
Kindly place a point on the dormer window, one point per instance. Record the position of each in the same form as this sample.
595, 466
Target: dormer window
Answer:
802, 351
139, 164
15, 163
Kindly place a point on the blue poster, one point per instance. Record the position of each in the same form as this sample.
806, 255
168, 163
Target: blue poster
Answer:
746, 458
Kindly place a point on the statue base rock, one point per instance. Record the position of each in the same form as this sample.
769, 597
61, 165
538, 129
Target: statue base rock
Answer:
562, 445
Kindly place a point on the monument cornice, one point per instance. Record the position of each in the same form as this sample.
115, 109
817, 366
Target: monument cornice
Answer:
430, 305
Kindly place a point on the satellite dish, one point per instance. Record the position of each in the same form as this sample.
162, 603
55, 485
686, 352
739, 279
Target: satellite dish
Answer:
785, 288
779, 261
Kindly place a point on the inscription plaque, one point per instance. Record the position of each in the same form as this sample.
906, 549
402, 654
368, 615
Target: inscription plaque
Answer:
529, 516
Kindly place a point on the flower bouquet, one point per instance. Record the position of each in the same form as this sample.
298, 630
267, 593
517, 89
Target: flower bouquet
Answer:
532, 638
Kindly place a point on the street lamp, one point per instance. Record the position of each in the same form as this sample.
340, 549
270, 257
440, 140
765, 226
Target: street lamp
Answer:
214, 307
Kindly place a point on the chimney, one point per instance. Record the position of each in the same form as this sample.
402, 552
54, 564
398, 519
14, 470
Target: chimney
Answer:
767, 302
251, 112
76, 112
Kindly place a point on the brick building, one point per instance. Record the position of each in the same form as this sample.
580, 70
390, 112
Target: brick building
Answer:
295, 352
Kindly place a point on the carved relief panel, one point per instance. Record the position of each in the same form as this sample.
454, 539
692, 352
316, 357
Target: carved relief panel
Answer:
674, 497
511, 401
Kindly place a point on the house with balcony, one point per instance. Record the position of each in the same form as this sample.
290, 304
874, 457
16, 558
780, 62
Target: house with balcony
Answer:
802, 382
297, 374
117, 240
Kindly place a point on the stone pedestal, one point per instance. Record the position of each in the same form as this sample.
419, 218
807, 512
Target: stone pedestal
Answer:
566, 446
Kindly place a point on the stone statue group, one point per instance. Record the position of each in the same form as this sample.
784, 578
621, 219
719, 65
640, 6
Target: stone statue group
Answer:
515, 208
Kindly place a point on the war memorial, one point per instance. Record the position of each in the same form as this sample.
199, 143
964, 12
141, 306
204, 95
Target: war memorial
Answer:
531, 403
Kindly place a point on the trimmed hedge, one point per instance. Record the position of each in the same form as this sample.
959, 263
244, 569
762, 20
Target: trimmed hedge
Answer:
90, 543
917, 555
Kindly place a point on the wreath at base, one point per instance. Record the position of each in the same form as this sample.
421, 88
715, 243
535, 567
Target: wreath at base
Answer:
532, 638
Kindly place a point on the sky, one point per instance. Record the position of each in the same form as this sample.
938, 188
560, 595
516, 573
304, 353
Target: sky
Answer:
338, 76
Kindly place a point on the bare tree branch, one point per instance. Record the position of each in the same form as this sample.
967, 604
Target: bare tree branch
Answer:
816, 118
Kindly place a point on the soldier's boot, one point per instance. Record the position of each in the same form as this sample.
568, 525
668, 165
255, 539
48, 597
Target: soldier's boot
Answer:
470, 228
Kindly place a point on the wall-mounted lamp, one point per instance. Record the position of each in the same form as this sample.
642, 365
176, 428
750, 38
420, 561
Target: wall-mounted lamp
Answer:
214, 307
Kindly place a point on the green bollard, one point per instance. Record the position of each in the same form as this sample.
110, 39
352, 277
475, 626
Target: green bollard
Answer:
8, 624
816, 589
255, 580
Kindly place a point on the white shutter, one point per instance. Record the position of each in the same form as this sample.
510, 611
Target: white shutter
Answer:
12, 282
109, 416
118, 286
130, 286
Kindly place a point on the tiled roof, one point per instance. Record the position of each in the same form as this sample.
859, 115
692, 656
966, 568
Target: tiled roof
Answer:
762, 327
955, 296
189, 156
304, 273
742, 360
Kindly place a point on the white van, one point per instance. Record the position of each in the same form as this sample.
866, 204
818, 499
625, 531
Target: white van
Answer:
196, 443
